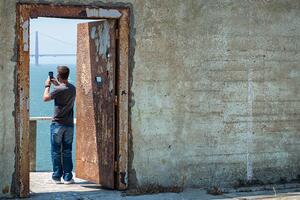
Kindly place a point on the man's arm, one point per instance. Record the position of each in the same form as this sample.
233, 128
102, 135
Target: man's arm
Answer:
46, 96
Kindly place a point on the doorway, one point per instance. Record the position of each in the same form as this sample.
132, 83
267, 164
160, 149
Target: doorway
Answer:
52, 43
121, 18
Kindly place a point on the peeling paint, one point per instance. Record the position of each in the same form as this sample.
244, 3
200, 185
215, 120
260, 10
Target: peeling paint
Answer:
100, 35
111, 86
105, 13
93, 32
25, 27
104, 41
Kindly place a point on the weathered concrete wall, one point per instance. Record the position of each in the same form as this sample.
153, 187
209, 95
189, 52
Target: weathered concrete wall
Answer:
215, 91
7, 95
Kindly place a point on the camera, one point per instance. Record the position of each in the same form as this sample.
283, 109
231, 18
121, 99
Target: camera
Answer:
51, 75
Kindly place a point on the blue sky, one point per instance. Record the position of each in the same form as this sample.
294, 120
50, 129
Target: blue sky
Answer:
56, 36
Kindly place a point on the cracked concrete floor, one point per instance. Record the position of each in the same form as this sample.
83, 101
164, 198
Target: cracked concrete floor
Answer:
42, 188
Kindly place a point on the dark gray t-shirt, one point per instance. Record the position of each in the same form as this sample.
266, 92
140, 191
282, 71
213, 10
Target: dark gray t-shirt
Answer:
64, 97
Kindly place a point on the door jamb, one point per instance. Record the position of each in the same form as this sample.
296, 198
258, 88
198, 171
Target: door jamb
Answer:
24, 13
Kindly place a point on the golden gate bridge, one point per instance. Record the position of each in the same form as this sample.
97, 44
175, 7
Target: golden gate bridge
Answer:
37, 55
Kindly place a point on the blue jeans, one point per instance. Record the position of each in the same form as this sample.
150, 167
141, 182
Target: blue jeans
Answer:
61, 151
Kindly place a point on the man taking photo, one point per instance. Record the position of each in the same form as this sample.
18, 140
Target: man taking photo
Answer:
62, 126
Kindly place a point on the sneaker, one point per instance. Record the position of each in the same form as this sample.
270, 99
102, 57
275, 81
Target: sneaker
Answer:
69, 182
56, 181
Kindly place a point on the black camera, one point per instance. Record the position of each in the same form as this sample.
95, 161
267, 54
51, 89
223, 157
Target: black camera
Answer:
51, 75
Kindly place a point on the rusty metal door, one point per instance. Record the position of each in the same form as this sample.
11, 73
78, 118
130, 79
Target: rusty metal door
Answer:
95, 104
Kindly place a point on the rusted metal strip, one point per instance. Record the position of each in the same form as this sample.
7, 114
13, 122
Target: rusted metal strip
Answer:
22, 99
66, 11
123, 100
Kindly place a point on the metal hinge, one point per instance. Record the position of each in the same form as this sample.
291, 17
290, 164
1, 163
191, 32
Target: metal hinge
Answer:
116, 100
117, 33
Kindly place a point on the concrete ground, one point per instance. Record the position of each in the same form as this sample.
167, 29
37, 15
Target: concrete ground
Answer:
42, 187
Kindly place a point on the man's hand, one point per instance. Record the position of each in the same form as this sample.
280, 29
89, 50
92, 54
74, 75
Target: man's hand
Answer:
54, 81
48, 81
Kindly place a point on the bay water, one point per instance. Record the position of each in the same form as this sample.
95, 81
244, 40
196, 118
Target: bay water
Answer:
39, 108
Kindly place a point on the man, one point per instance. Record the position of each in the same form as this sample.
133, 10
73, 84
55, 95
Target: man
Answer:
62, 126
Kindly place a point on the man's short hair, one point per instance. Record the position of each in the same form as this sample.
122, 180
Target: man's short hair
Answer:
63, 72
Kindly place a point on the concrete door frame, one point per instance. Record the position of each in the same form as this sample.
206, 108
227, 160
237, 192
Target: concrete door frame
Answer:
24, 13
